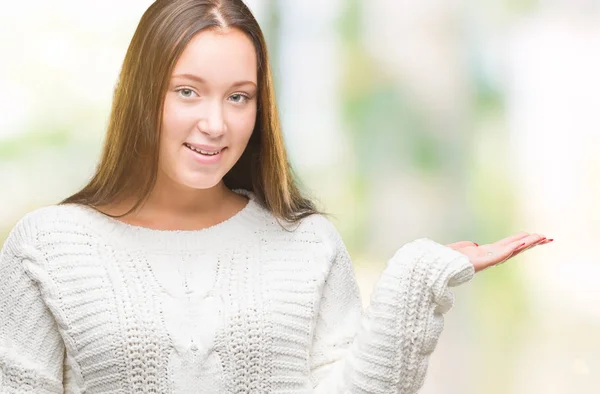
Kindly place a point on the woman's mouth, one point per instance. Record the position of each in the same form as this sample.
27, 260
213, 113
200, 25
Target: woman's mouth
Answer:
205, 156
202, 151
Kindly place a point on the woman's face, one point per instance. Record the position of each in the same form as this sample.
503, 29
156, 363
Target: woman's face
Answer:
210, 108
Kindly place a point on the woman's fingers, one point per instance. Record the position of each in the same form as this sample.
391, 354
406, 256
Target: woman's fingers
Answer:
486, 256
513, 238
507, 242
527, 243
532, 246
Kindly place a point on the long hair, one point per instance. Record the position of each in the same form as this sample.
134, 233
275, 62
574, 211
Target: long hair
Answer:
129, 162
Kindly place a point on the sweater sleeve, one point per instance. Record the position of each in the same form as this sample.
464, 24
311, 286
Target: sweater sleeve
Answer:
31, 348
386, 349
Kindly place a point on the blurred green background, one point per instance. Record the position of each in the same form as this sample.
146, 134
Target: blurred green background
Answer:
453, 120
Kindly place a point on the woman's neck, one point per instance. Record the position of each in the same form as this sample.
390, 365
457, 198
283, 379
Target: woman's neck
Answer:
179, 208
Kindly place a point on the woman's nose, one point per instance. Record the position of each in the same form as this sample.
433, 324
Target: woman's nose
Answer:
213, 121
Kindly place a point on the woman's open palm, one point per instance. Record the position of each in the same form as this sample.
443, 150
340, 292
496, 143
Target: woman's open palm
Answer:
485, 256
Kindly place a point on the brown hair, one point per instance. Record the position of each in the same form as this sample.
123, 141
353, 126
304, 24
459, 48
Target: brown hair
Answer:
129, 161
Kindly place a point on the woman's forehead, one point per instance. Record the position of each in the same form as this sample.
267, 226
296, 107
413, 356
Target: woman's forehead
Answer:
219, 57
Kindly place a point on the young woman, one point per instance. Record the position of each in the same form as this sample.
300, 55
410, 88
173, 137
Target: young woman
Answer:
191, 263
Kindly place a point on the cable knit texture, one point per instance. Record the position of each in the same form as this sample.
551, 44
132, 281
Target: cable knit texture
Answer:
89, 304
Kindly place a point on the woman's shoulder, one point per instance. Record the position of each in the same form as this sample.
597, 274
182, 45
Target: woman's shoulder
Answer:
54, 215
324, 230
52, 219
319, 223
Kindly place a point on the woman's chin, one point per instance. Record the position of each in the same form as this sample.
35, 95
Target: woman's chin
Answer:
200, 183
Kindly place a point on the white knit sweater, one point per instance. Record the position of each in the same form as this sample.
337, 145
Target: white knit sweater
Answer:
89, 304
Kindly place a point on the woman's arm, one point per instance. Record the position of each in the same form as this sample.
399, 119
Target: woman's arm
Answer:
31, 348
387, 349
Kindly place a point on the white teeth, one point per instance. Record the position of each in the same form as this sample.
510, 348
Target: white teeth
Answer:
207, 153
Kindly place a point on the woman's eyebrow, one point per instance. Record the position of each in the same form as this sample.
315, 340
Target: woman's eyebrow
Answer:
201, 80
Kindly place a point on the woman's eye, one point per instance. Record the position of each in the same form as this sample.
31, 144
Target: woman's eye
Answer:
186, 93
238, 98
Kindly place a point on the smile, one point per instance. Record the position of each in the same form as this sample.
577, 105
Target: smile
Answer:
202, 152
